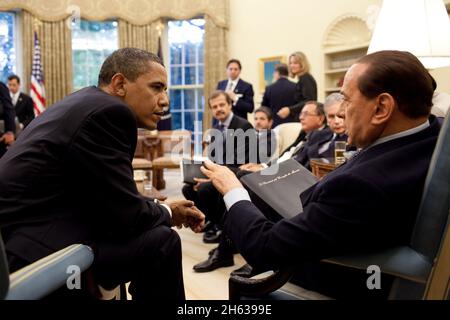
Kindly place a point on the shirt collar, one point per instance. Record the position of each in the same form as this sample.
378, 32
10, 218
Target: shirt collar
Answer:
401, 134
15, 95
235, 81
227, 121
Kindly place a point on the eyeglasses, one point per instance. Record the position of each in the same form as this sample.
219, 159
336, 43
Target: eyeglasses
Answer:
307, 114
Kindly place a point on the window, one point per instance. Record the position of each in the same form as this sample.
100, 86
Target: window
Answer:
7, 45
186, 70
92, 42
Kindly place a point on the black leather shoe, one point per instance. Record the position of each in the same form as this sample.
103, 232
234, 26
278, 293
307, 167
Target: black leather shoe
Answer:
209, 226
212, 251
216, 260
246, 271
212, 237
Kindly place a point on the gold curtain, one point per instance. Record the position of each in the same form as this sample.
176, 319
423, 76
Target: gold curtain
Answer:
139, 12
216, 56
143, 37
56, 54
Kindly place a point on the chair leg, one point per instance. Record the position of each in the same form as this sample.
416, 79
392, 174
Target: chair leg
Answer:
158, 179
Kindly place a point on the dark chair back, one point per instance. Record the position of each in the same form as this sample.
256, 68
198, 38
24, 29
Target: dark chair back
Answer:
434, 208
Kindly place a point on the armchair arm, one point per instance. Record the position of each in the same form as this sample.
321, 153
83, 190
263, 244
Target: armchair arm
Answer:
48, 274
402, 262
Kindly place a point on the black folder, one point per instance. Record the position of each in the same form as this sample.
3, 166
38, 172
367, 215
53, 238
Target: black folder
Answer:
281, 188
190, 170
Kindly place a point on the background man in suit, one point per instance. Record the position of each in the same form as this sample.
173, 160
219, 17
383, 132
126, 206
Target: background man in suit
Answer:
204, 194
240, 92
7, 119
320, 143
279, 94
222, 255
22, 102
312, 119
263, 121
68, 179
366, 204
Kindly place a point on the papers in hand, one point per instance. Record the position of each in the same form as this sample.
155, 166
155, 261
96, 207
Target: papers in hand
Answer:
281, 188
190, 169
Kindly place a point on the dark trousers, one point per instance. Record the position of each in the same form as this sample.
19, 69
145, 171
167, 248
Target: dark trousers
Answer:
3, 148
226, 246
207, 199
151, 261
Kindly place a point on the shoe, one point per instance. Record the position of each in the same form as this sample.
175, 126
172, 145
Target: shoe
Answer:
209, 226
212, 251
246, 271
216, 260
212, 236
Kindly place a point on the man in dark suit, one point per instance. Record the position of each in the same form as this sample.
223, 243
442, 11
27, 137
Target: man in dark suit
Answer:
267, 142
68, 179
312, 119
7, 119
320, 143
22, 102
279, 94
240, 92
222, 142
366, 204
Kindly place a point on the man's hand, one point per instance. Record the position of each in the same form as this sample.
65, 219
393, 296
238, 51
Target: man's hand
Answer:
184, 212
284, 112
8, 138
199, 182
232, 95
253, 167
222, 178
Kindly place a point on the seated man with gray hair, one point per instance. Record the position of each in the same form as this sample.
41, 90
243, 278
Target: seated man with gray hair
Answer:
321, 142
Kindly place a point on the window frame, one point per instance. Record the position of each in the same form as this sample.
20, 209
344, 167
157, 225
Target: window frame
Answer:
88, 64
198, 88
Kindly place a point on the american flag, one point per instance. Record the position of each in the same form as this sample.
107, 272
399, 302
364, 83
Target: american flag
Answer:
37, 79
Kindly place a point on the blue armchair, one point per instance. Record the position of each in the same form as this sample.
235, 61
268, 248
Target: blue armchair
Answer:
44, 276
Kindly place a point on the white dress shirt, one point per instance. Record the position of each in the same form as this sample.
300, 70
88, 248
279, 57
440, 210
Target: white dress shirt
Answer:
15, 97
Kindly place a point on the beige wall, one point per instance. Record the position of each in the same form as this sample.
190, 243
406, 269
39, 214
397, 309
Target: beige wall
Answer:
270, 28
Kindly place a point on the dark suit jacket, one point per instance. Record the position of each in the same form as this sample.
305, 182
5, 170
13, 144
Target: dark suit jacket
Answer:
241, 151
278, 95
267, 145
301, 137
68, 178
7, 112
366, 204
24, 109
306, 90
315, 140
245, 103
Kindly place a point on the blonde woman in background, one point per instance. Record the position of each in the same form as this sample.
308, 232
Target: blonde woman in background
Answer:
306, 85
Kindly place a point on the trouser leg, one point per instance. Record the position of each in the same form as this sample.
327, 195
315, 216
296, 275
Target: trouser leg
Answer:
151, 261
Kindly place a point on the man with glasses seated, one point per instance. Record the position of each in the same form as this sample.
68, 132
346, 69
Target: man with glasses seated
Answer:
312, 119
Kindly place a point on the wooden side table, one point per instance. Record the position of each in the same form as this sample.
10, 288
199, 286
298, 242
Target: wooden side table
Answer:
322, 166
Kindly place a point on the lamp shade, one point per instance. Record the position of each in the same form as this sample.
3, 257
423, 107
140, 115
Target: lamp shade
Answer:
421, 27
